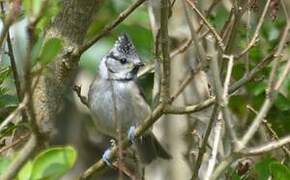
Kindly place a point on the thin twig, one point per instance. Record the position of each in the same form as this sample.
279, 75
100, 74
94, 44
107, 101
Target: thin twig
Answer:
256, 33
17, 141
193, 108
216, 142
188, 78
198, 48
283, 76
183, 47
271, 130
222, 166
219, 90
228, 78
266, 147
18, 110
202, 148
180, 49
209, 26
272, 80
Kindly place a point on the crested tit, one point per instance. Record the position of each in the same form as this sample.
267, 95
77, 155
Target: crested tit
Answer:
117, 72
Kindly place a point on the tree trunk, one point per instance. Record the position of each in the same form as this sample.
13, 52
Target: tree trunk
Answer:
70, 25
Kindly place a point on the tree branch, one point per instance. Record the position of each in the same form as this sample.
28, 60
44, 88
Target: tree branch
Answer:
165, 75
109, 27
208, 25
266, 147
256, 33
212, 161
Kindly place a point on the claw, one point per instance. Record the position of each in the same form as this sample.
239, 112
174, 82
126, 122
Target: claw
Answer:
106, 157
113, 142
132, 134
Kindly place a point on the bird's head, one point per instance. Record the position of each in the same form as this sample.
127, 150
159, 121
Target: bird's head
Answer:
122, 62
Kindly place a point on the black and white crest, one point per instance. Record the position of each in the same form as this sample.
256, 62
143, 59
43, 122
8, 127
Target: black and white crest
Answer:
124, 44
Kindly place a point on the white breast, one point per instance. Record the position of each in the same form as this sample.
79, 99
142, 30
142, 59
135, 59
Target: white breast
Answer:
130, 105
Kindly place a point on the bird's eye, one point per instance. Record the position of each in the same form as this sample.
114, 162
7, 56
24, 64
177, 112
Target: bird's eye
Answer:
123, 60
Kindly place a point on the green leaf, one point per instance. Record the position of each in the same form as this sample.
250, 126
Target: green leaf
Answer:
279, 171
282, 103
53, 163
25, 172
50, 50
4, 163
262, 168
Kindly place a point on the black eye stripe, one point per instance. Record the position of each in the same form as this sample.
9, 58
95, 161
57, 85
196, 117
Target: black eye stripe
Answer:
122, 60
113, 57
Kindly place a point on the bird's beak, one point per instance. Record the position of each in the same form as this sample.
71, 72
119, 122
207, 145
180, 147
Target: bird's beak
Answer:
139, 64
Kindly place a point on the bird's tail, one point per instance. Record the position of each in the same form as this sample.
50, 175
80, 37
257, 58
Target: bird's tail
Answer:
149, 148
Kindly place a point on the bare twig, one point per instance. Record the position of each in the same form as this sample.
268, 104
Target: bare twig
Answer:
217, 137
219, 90
198, 48
222, 165
228, 78
256, 33
18, 110
283, 76
188, 78
202, 149
250, 75
17, 141
209, 26
193, 108
266, 147
183, 47
271, 130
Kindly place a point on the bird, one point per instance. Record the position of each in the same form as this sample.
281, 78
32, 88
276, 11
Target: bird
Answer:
115, 90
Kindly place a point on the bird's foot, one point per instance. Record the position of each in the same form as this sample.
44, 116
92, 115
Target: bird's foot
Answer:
113, 142
106, 157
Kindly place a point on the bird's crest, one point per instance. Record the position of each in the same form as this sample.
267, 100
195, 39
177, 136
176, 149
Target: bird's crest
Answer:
124, 44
